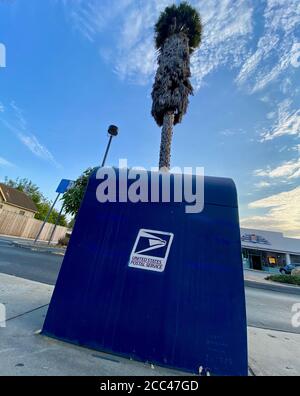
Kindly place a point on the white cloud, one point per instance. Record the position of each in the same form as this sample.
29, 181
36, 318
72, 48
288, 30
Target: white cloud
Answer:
15, 121
4, 162
262, 184
226, 30
19, 116
271, 115
232, 132
283, 213
289, 170
91, 17
1, 108
130, 24
296, 148
227, 38
287, 122
286, 86
275, 49
32, 143
266, 99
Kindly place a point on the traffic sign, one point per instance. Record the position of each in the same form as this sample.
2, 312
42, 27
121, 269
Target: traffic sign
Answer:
64, 186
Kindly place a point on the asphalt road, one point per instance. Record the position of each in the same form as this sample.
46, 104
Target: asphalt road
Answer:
24, 263
265, 308
271, 310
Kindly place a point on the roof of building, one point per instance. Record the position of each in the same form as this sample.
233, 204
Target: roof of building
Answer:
17, 198
269, 241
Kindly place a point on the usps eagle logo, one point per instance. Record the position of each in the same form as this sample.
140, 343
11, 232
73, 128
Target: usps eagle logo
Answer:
151, 250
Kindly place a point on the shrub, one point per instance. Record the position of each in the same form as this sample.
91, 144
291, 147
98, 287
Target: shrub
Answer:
289, 279
64, 241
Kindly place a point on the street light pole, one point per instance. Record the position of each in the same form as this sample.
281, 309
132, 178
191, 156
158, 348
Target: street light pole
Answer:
112, 131
107, 150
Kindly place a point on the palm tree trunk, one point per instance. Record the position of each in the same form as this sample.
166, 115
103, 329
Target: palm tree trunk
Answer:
166, 141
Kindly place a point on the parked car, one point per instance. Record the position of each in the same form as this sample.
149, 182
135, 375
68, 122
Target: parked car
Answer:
287, 269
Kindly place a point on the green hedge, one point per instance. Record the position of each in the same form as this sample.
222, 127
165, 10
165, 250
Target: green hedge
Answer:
290, 279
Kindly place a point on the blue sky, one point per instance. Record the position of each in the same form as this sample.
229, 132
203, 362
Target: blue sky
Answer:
73, 67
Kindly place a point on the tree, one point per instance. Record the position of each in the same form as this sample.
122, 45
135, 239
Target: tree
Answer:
71, 222
43, 204
178, 33
26, 186
74, 196
43, 209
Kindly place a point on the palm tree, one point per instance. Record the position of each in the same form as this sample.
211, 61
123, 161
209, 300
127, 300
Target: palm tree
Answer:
178, 33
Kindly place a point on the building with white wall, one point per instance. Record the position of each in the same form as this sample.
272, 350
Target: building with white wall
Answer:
16, 201
268, 250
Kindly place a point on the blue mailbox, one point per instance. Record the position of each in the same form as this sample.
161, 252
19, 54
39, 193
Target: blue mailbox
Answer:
150, 282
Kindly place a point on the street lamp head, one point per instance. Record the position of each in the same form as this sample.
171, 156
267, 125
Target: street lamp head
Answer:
113, 130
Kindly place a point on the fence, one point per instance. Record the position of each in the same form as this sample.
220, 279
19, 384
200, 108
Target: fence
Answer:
17, 225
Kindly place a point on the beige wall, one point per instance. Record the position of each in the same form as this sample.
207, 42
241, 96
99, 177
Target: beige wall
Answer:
15, 209
15, 224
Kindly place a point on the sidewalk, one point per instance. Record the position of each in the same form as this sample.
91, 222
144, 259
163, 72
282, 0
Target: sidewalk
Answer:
257, 279
25, 352
273, 353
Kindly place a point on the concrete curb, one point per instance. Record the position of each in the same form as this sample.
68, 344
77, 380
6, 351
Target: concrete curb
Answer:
41, 249
273, 287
